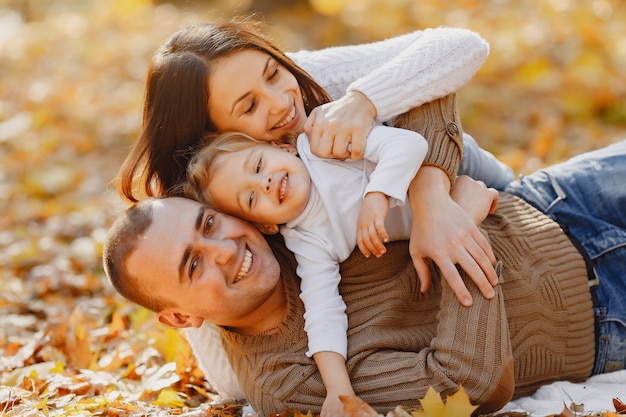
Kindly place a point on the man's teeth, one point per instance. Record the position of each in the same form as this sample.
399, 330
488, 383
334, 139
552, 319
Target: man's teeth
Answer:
245, 267
283, 187
289, 118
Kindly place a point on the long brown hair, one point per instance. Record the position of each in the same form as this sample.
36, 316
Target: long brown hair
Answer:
175, 115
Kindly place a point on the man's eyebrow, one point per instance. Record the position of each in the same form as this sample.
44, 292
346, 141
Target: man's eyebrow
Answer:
187, 253
244, 95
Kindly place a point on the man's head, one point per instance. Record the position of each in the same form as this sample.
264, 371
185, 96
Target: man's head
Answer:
190, 263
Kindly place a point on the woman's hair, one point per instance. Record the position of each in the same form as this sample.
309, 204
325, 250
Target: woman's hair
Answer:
175, 115
202, 165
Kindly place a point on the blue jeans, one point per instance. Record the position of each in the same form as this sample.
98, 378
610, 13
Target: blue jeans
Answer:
587, 197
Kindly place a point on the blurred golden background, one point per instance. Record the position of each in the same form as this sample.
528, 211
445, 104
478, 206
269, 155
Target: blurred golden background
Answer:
72, 78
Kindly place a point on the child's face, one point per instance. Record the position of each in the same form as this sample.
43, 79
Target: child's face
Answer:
262, 184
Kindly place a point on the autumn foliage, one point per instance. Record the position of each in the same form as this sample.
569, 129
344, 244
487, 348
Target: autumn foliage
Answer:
72, 76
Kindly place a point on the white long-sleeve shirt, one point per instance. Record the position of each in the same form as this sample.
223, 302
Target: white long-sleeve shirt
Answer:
396, 74
399, 73
324, 235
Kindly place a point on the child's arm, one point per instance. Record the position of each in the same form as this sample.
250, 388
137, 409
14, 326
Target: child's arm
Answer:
475, 198
332, 367
398, 154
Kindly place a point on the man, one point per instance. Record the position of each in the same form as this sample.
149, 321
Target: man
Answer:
190, 264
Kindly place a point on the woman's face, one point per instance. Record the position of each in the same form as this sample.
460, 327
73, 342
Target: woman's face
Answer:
251, 92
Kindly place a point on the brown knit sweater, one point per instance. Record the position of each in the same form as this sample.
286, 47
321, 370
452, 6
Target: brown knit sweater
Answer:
402, 341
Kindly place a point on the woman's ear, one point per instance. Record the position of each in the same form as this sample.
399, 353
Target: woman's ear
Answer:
288, 147
176, 319
267, 229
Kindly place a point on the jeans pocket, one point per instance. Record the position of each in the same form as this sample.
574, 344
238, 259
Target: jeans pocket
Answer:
611, 354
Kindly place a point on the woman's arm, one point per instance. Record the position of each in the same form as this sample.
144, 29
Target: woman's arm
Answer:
380, 80
399, 73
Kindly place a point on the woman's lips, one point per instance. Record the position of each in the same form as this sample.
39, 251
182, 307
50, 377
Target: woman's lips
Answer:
287, 120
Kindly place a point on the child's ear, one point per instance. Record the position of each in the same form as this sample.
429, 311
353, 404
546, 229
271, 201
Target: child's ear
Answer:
267, 229
288, 147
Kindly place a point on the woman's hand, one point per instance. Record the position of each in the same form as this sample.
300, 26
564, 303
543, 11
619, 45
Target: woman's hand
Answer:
475, 198
443, 232
339, 129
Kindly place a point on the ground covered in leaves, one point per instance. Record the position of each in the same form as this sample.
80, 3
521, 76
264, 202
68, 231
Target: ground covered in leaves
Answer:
71, 89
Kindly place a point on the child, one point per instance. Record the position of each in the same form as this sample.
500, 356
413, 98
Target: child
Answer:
313, 201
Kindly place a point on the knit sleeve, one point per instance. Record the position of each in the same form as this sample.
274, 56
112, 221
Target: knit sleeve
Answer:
399, 73
440, 124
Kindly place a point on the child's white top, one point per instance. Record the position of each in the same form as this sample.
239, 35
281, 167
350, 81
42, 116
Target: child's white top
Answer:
324, 235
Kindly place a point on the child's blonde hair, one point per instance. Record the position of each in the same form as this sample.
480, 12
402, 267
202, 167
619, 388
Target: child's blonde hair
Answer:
202, 166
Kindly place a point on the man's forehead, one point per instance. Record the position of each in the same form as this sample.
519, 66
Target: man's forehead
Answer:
171, 214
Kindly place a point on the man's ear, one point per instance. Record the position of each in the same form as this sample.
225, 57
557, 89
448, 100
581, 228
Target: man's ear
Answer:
267, 229
174, 318
288, 147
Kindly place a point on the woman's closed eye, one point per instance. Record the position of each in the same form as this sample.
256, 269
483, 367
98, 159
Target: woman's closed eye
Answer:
251, 199
273, 74
251, 107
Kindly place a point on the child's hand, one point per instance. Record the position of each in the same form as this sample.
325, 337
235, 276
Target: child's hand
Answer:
333, 407
332, 367
371, 231
475, 198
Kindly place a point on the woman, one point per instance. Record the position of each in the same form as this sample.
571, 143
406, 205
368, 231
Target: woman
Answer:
382, 81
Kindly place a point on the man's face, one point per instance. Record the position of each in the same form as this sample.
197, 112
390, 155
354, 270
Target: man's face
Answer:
208, 265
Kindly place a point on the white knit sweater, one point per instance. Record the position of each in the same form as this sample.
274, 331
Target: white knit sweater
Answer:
399, 73
396, 74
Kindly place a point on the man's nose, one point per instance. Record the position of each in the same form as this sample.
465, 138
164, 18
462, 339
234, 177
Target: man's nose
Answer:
222, 251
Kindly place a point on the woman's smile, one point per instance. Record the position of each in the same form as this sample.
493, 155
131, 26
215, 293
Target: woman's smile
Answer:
287, 119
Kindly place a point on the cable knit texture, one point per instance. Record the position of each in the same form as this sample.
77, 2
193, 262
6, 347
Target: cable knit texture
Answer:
439, 122
402, 341
399, 73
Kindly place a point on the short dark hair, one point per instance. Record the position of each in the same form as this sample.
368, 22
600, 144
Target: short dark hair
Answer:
120, 242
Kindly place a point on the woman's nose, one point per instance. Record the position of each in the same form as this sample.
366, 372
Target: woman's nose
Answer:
278, 100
